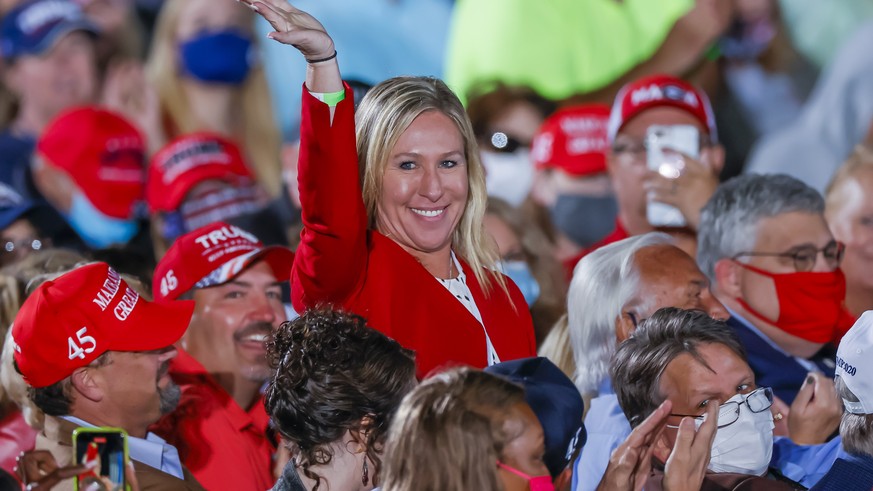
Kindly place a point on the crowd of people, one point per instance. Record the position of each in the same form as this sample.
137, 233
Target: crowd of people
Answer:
619, 248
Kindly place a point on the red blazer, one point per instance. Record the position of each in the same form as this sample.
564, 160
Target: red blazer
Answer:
341, 263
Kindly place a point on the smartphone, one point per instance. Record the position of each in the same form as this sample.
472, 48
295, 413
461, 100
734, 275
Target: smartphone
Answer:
662, 145
106, 449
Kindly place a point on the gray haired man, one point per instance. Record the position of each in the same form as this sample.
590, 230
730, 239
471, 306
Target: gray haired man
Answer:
764, 243
613, 289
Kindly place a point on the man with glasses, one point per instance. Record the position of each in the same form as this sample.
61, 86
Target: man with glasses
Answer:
664, 101
764, 243
694, 361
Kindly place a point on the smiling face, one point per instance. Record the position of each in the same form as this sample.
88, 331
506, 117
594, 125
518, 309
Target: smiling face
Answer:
233, 321
424, 185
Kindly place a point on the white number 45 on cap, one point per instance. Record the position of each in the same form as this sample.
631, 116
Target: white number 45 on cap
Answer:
77, 350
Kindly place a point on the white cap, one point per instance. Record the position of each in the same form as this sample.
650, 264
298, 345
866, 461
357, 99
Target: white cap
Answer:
855, 364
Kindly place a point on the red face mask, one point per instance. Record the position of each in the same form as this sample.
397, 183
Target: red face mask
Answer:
810, 304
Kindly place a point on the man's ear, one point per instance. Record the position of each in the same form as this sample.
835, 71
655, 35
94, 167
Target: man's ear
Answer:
12, 78
715, 158
662, 448
564, 479
727, 278
86, 383
624, 327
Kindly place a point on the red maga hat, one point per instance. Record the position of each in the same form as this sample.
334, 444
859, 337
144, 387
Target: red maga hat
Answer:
213, 255
102, 152
188, 161
574, 140
70, 321
660, 90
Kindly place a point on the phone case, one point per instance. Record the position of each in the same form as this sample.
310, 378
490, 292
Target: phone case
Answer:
660, 140
88, 436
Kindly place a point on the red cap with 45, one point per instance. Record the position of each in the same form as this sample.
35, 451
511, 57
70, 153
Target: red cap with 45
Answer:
213, 255
70, 321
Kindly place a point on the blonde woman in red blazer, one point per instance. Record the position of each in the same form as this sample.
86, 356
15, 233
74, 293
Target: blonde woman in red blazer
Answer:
393, 227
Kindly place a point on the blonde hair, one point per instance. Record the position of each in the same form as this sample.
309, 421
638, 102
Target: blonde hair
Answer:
557, 348
384, 114
260, 139
449, 433
861, 159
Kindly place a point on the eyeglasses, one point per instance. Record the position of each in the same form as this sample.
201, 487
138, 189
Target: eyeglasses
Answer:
16, 249
758, 401
638, 148
804, 257
503, 143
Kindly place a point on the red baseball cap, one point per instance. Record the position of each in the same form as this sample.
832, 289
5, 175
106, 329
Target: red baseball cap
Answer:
70, 321
188, 161
102, 152
660, 90
574, 140
213, 255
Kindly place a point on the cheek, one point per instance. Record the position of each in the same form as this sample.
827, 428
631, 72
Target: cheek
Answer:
760, 293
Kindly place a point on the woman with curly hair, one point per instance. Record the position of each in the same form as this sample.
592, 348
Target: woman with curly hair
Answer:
336, 387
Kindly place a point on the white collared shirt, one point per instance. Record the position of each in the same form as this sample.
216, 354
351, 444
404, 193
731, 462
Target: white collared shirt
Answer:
152, 450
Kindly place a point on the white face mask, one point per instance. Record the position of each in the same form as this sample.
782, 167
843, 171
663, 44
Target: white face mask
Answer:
509, 176
744, 447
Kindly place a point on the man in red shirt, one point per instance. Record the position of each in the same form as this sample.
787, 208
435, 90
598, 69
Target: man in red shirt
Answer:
666, 101
220, 424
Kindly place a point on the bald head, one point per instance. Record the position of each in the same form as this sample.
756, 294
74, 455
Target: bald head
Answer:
668, 277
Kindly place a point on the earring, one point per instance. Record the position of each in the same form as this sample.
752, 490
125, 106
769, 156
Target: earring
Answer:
365, 475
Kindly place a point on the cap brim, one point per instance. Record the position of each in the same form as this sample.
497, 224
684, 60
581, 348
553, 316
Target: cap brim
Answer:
61, 30
280, 260
9, 215
165, 323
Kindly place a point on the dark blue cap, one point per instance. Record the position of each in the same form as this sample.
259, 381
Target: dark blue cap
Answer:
557, 403
12, 206
33, 27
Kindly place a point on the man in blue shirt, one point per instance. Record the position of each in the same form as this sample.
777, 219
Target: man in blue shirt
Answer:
94, 353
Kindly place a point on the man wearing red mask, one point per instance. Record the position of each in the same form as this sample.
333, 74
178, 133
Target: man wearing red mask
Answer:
774, 264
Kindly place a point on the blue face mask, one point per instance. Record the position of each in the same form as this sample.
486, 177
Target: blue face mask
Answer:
96, 229
221, 57
519, 273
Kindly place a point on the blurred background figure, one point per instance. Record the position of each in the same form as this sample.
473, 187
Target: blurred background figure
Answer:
571, 180
505, 120
206, 70
196, 180
573, 48
90, 165
121, 33
526, 257
849, 213
49, 66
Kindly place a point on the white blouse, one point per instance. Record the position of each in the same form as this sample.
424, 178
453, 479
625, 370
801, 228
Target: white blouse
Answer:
458, 287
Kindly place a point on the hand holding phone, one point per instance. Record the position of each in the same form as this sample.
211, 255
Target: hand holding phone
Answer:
103, 452
665, 146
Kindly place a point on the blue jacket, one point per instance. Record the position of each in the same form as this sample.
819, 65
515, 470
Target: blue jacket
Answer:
849, 473
775, 368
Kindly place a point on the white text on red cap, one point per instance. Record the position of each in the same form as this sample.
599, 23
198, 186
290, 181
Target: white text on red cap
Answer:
655, 92
224, 234
108, 290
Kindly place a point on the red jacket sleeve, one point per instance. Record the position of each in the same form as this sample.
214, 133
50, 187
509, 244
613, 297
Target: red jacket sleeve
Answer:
330, 262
